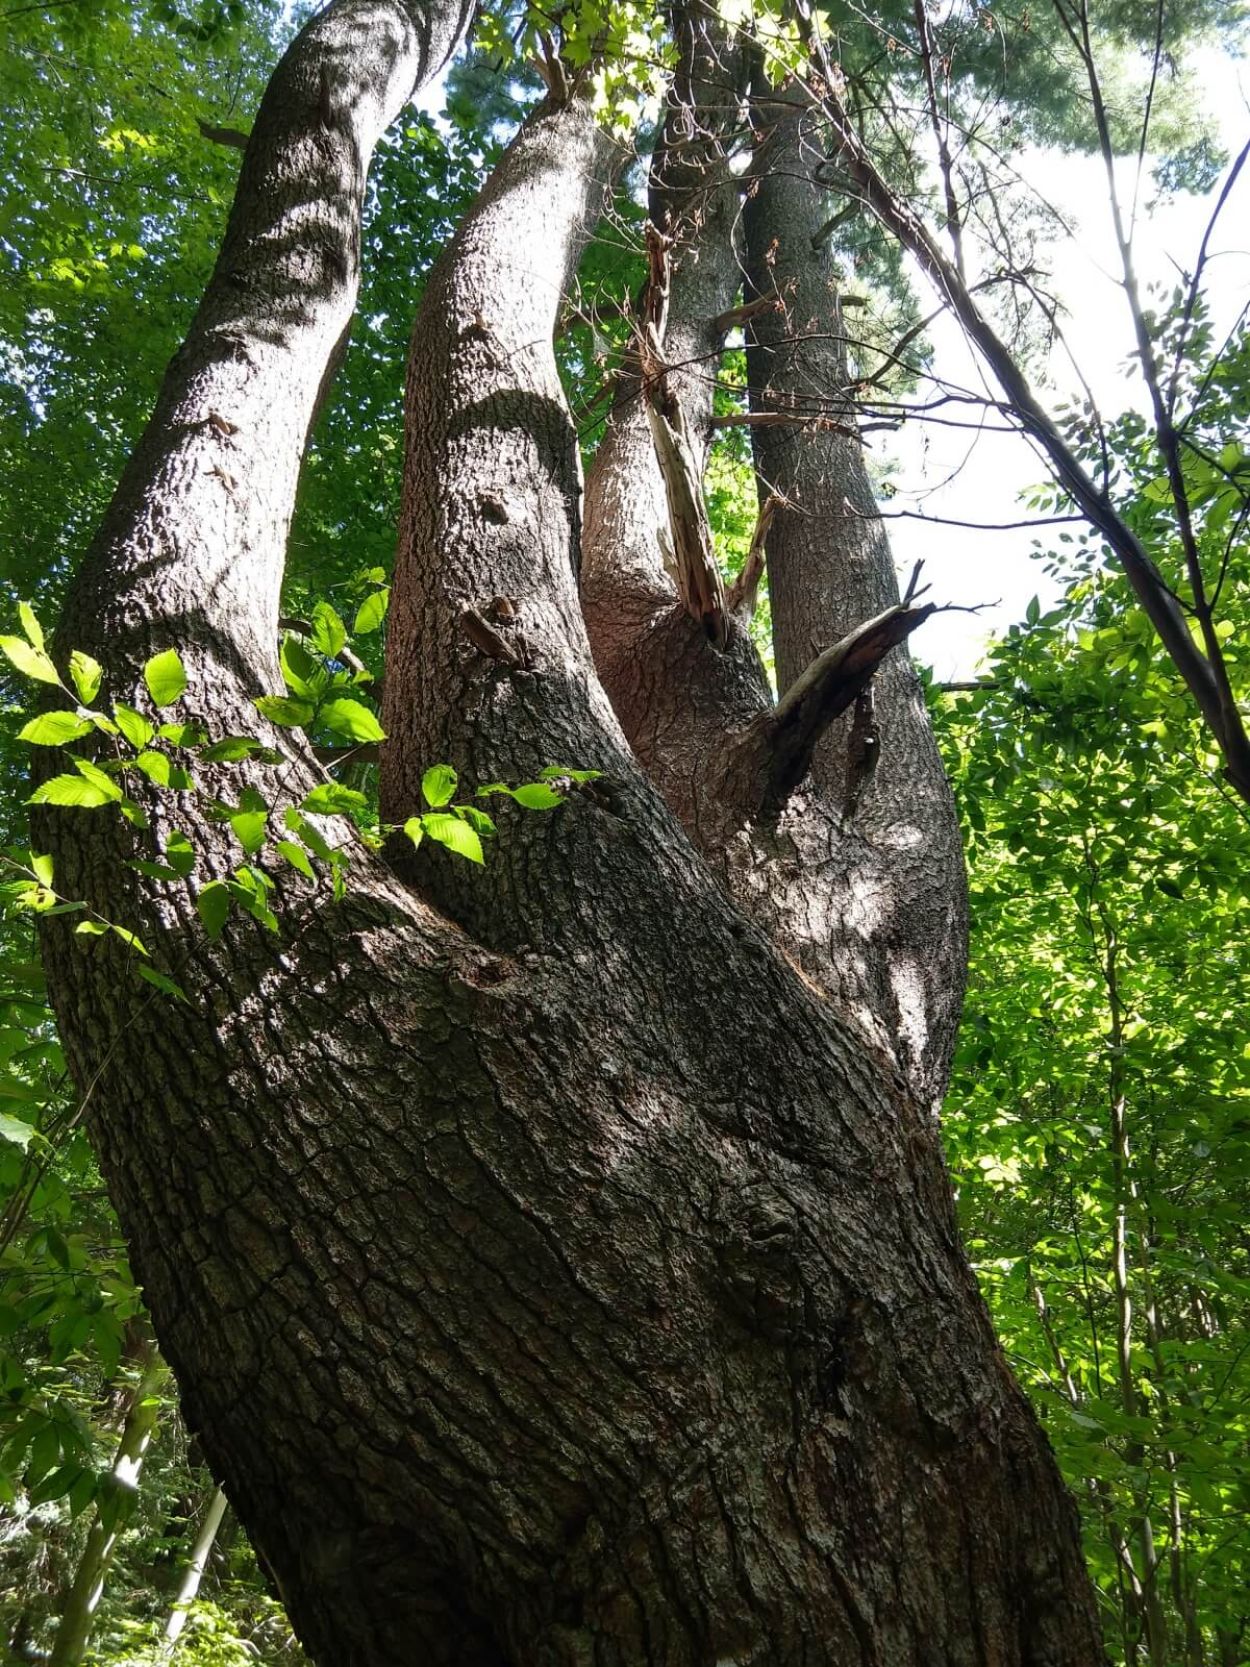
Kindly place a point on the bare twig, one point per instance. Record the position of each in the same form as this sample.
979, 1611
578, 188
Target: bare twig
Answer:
953, 224
784, 419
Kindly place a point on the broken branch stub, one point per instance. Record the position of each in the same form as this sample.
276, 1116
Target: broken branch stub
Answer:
774, 753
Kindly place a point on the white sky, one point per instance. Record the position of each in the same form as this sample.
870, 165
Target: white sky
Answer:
971, 566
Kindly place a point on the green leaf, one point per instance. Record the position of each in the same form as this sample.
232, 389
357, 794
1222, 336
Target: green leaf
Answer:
180, 853
328, 631
332, 799
477, 819
438, 784
87, 675
31, 626
156, 767
297, 857
31, 662
248, 827
16, 1132
84, 1489
310, 835
456, 835
98, 778
56, 1484
303, 675
560, 772
213, 903
91, 929
153, 870
536, 795
352, 719
291, 714
415, 829
128, 937
166, 677
182, 735
71, 790
250, 887
133, 725
372, 612
41, 867
232, 748
163, 982
54, 729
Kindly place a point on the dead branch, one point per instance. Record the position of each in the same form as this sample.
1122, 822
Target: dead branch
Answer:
742, 594
695, 573
747, 311
777, 748
690, 551
364, 752
784, 419
230, 136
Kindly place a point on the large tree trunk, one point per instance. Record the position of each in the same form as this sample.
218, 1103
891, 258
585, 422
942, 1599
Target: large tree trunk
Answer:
553, 1273
875, 821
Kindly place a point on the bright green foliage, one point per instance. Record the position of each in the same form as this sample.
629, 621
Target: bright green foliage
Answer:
112, 209
1101, 1106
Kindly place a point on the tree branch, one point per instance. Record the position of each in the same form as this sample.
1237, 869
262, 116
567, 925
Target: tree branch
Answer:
693, 559
747, 311
741, 596
777, 748
784, 419
230, 136
1204, 680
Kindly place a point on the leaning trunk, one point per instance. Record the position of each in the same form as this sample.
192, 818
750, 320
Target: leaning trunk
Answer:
541, 1256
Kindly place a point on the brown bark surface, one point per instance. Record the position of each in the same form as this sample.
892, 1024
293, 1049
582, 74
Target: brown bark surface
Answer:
554, 1275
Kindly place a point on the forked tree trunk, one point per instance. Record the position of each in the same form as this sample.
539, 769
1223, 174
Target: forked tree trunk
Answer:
545, 1263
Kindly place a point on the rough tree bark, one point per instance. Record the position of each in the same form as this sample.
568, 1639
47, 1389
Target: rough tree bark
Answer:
876, 822
553, 1273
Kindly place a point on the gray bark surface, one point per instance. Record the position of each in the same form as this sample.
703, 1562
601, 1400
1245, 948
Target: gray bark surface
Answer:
875, 827
554, 1276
